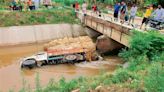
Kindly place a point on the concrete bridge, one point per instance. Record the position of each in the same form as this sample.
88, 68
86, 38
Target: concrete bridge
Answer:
114, 30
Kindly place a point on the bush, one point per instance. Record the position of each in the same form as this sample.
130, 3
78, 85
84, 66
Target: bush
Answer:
110, 2
150, 45
154, 81
121, 76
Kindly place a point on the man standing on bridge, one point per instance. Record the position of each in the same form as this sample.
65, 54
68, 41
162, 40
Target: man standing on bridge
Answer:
123, 11
84, 8
116, 11
133, 12
147, 15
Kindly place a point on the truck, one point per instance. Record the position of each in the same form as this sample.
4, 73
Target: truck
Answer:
67, 50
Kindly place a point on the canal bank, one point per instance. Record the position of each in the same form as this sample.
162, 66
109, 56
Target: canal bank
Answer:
17, 35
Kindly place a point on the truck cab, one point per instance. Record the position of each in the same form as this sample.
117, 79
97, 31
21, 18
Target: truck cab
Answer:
35, 60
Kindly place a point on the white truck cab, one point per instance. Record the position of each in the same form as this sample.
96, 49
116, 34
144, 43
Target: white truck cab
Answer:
34, 60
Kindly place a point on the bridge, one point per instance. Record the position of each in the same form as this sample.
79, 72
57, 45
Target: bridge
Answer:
115, 30
106, 26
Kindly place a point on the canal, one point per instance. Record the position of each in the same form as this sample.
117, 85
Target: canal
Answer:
11, 76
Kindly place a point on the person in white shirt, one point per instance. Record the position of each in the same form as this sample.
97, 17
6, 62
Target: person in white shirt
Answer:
163, 16
36, 3
158, 13
133, 12
84, 8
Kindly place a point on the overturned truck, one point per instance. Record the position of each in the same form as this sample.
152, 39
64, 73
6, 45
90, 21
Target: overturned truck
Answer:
67, 50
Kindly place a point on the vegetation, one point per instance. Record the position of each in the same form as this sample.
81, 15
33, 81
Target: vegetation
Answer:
145, 56
37, 17
144, 72
68, 2
141, 3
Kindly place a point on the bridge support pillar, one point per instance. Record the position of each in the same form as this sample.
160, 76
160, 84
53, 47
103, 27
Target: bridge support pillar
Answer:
105, 44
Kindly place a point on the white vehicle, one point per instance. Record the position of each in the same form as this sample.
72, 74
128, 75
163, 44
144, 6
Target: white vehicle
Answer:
34, 60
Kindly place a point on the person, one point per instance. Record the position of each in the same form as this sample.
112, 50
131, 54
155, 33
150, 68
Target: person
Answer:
147, 15
158, 13
84, 8
13, 5
73, 5
94, 8
123, 11
99, 13
116, 11
30, 5
76, 8
133, 12
47, 3
157, 18
36, 3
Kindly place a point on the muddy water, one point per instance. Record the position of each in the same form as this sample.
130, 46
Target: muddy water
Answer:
11, 76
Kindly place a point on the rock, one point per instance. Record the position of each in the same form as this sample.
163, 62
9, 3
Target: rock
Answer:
76, 90
98, 88
126, 65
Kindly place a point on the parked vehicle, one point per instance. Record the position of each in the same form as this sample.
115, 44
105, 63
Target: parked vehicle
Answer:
156, 24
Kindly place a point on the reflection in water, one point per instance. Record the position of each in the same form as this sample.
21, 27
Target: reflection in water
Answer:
11, 75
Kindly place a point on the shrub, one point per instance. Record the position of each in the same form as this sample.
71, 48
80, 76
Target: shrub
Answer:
121, 76
150, 44
154, 81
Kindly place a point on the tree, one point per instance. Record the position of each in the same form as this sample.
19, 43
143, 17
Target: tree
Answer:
161, 2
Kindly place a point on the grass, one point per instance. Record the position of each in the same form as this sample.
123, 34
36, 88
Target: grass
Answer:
52, 16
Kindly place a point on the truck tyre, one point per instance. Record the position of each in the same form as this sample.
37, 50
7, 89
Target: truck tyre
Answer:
71, 57
29, 63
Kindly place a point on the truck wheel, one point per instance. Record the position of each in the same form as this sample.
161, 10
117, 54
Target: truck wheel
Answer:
29, 63
71, 57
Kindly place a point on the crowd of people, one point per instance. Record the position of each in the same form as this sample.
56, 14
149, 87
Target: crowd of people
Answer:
28, 4
122, 13
121, 10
